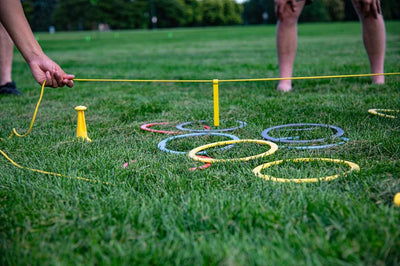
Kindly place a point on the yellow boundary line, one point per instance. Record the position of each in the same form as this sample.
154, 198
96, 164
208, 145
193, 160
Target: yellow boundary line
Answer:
234, 80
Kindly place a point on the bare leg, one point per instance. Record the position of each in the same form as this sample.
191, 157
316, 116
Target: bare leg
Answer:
6, 56
374, 37
286, 42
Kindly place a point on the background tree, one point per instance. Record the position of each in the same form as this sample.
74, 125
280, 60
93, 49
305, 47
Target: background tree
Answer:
220, 12
255, 10
37, 13
171, 13
212, 11
130, 14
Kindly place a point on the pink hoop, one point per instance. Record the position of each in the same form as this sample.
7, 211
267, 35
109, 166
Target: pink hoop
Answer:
146, 127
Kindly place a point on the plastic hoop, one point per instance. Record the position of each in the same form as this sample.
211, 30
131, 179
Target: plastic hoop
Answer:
192, 153
317, 146
181, 127
264, 133
163, 143
146, 127
257, 170
378, 112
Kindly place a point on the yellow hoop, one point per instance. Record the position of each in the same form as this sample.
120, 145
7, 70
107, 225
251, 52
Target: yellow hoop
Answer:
192, 153
378, 112
257, 170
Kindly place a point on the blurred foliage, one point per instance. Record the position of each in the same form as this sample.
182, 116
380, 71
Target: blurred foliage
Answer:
263, 11
128, 14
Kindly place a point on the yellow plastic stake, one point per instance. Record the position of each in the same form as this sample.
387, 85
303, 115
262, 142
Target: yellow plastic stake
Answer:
81, 131
396, 199
216, 102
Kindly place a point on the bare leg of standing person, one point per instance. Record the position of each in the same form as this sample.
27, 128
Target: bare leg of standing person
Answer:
6, 58
374, 35
286, 39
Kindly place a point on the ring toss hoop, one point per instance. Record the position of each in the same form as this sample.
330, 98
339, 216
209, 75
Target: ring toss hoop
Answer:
146, 127
257, 170
264, 134
162, 145
192, 153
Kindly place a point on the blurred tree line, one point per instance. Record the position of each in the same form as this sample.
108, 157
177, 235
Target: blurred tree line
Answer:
262, 11
142, 14
129, 14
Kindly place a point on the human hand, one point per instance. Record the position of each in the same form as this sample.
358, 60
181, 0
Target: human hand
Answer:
368, 7
43, 68
280, 7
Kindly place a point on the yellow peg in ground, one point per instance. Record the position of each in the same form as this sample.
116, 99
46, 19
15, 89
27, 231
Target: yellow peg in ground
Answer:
216, 102
396, 199
81, 131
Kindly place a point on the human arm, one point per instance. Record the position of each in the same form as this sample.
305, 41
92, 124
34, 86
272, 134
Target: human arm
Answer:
42, 67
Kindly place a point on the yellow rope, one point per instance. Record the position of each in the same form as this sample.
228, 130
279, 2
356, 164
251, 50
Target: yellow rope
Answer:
313, 77
238, 80
49, 173
14, 131
147, 80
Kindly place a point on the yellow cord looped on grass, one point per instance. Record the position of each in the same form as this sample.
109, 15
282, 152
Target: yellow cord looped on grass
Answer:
257, 170
14, 131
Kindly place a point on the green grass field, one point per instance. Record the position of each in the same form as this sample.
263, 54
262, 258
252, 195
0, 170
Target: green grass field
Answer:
156, 211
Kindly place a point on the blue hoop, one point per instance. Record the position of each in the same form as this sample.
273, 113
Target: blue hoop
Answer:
181, 127
315, 147
264, 134
163, 143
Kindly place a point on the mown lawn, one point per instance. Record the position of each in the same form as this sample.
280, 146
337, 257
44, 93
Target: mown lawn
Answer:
156, 211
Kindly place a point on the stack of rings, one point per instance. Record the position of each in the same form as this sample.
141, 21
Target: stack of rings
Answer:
257, 170
339, 134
